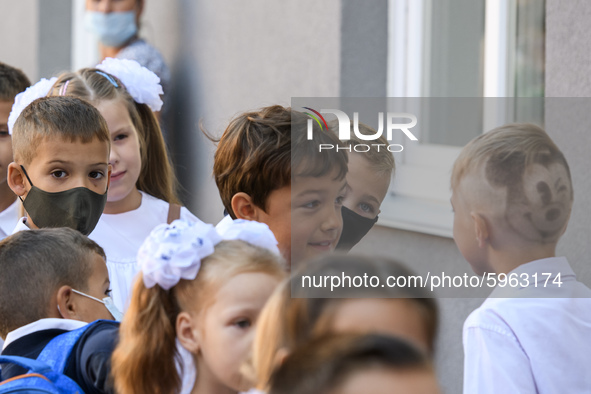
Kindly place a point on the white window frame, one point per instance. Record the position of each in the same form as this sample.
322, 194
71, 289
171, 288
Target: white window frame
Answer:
419, 197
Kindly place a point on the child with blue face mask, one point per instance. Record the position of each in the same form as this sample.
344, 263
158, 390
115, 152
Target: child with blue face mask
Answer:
55, 281
116, 24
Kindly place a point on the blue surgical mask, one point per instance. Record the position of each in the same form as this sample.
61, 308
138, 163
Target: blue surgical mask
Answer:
107, 302
113, 29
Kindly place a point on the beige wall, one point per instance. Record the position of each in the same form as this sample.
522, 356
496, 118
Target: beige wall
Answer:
244, 55
19, 31
229, 56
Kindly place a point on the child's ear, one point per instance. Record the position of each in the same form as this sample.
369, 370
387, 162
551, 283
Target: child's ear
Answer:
66, 304
480, 229
187, 333
16, 179
280, 357
243, 207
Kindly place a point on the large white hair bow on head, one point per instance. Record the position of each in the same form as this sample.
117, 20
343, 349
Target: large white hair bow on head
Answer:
142, 84
254, 233
174, 251
23, 99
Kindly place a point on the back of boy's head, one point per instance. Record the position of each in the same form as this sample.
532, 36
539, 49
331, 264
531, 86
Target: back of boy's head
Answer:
521, 177
34, 265
148, 330
12, 82
66, 118
380, 160
293, 314
255, 155
157, 177
323, 364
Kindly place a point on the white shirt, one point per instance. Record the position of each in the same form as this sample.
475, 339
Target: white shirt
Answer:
121, 236
21, 225
8, 219
224, 223
537, 341
40, 325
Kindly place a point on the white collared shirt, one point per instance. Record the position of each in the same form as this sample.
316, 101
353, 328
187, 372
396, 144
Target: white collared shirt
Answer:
224, 223
21, 225
536, 339
121, 236
8, 219
40, 325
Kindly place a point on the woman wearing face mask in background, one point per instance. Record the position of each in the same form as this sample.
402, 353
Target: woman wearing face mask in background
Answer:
116, 24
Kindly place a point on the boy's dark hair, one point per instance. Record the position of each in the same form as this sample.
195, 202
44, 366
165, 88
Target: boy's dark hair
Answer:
258, 150
324, 363
34, 264
67, 118
12, 82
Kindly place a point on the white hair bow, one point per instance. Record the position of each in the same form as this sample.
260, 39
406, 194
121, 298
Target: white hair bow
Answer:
174, 251
142, 84
23, 99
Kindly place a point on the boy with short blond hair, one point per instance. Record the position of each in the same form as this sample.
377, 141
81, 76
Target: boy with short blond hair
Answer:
12, 82
368, 180
512, 199
267, 170
61, 164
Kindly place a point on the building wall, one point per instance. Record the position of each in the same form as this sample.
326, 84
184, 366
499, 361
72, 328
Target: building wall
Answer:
240, 56
19, 30
228, 57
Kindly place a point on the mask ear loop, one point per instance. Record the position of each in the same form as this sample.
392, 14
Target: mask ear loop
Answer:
27, 175
29, 179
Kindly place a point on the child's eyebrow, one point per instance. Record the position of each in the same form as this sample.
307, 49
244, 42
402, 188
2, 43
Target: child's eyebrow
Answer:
371, 198
59, 161
320, 191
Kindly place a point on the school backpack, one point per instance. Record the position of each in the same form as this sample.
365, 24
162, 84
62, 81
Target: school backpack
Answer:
46, 373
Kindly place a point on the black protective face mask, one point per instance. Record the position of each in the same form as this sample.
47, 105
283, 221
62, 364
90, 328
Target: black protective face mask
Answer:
79, 208
355, 227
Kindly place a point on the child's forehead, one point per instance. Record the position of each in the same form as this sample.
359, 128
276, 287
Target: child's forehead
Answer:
245, 290
5, 108
324, 183
59, 147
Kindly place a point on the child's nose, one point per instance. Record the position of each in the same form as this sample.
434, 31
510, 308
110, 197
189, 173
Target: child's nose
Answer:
105, 6
333, 220
113, 157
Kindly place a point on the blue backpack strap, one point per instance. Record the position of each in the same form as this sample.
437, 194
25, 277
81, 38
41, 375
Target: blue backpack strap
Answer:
57, 352
34, 366
54, 379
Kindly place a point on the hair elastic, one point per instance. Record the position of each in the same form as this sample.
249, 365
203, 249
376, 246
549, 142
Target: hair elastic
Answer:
110, 78
64, 88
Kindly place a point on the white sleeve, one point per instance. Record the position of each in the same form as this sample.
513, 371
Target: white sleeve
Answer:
188, 216
494, 362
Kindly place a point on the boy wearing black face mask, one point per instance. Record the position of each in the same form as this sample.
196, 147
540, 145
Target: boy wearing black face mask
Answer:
368, 180
61, 167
